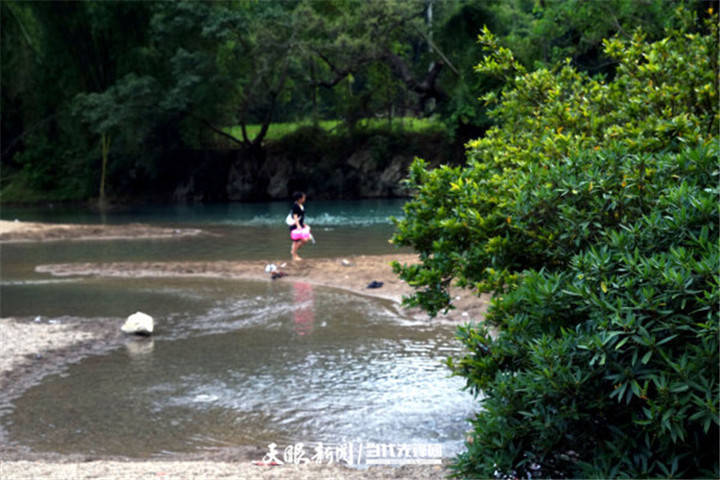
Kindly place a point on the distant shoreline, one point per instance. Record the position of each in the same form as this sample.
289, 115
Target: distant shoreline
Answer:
23, 232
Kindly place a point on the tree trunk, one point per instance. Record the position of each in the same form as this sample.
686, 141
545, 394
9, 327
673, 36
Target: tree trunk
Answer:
389, 104
430, 25
315, 118
105, 146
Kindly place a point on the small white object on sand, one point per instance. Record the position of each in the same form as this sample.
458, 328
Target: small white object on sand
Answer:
139, 323
270, 268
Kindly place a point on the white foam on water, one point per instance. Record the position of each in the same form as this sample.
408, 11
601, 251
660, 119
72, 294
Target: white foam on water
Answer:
205, 398
324, 220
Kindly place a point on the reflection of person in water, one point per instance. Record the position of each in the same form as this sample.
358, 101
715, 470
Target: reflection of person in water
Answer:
304, 315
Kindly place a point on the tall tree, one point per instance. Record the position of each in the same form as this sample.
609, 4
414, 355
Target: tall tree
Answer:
346, 38
124, 113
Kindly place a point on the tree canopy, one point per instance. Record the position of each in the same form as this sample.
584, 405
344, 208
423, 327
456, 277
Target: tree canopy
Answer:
211, 66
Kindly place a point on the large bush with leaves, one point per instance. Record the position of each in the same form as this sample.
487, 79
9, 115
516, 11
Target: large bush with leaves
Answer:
608, 365
591, 211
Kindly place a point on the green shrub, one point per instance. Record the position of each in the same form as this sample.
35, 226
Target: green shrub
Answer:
52, 173
608, 367
464, 221
590, 210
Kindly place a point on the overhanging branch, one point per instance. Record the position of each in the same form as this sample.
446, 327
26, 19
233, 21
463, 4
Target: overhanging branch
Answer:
218, 130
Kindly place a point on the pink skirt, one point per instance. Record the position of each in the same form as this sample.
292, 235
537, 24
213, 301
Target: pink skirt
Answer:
300, 234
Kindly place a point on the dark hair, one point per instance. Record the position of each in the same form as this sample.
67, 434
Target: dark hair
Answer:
297, 196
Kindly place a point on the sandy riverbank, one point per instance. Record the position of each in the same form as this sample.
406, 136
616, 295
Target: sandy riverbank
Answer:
349, 273
17, 232
181, 470
34, 348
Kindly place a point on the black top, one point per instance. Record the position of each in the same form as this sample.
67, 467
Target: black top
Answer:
297, 210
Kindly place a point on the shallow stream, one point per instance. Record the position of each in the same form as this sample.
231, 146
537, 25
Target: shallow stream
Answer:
232, 363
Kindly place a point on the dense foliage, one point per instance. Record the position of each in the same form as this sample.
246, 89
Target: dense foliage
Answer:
540, 34
202, 68
591, 211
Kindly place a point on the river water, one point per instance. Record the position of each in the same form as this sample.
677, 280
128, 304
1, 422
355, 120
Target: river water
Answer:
232, 363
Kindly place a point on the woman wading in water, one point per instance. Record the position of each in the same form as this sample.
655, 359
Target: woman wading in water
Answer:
299, 232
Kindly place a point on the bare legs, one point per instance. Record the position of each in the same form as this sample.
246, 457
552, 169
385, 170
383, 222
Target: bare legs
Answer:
296, 246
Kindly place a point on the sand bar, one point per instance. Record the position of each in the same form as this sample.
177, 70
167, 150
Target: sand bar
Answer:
34, 348
22, 232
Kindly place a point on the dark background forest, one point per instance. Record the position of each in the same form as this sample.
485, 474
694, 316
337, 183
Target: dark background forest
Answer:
249, 100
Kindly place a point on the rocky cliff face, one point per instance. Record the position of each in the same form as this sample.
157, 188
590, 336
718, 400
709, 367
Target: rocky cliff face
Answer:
280, 176
369, 168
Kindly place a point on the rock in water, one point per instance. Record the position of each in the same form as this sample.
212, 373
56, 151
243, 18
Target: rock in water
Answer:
138, 323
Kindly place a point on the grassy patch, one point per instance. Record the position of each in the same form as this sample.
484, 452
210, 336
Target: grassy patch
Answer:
280, 130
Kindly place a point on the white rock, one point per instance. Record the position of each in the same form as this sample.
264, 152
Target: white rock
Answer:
138, 323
